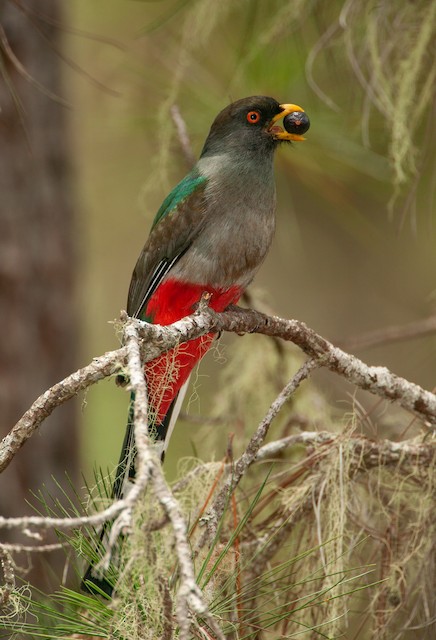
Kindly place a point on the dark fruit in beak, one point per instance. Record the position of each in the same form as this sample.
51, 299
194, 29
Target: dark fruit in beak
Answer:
296, 122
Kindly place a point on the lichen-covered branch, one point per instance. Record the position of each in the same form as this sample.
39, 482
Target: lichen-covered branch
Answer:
378, 380
149, 469
157, 339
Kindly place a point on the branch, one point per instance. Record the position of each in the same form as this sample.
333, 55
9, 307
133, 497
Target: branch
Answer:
182, 132
7, 566
150, 469
249, 456
396, 333
368, 453
100, 368
158, 339
28, 523
378, 380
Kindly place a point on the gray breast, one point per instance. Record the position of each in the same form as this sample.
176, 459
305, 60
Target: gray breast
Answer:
238, 227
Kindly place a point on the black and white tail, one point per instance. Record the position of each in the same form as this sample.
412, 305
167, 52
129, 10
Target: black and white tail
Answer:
124, 478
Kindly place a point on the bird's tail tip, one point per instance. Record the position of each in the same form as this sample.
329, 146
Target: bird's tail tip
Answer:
96, 586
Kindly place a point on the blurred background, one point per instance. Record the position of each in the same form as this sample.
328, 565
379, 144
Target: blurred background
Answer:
89, 151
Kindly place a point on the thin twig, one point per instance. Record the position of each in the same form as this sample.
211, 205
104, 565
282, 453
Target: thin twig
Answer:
182, 132
248, 457
395, 333
31, 548
99, 369
28, 524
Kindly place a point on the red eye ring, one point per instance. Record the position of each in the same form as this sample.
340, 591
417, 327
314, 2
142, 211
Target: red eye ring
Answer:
253, 117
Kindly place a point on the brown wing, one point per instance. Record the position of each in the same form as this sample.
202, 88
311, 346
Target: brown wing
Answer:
169, 239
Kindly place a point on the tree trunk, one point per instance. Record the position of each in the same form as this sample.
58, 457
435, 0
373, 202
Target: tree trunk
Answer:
37, 311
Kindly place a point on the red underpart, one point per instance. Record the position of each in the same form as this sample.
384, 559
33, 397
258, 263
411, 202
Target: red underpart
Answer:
172, 301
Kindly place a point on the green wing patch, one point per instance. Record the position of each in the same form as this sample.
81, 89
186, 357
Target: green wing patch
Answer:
180, 192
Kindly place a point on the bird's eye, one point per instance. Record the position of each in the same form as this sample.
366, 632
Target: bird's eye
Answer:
253, 117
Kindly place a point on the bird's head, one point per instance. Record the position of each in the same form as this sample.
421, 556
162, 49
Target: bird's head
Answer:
250, 125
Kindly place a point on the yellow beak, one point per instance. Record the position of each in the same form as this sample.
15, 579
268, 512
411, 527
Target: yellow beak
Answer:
279, 133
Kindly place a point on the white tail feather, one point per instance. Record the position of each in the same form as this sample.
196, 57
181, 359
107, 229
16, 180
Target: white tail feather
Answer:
175, 414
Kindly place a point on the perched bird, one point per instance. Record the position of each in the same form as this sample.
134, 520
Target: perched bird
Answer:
211, 234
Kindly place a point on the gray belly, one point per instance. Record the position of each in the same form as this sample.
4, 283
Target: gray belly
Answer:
231, 246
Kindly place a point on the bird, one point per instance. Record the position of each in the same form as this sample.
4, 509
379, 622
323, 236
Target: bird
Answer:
210, 235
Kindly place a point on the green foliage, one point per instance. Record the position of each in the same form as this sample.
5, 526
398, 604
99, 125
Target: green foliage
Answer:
313, 540
147, 579
59, 615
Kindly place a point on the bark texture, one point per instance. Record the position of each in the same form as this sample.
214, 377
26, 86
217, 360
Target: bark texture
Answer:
37, 312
